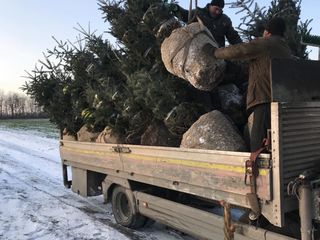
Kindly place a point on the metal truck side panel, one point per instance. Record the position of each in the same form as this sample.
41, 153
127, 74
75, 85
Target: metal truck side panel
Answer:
202, 224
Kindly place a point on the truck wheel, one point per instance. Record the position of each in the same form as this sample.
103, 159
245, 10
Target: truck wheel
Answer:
124, 209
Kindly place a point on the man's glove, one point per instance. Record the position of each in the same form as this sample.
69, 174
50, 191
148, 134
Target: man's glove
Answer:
209, 50
171, 7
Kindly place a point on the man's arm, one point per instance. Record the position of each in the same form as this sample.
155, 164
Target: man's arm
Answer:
231, 34
178, 11
244, 51
182, 14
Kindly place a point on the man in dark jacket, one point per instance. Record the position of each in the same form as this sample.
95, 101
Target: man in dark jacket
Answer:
214, 19
259, 51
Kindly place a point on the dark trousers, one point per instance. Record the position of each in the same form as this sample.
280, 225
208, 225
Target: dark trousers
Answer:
259, 122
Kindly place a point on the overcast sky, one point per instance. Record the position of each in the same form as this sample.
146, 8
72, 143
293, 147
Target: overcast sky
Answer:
28, 26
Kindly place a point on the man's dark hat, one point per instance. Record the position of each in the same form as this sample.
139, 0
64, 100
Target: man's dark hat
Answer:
276, 26
218, 3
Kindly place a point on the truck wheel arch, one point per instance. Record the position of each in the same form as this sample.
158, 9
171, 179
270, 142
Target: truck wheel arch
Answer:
109, 183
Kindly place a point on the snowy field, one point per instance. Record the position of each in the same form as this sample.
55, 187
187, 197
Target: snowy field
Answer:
33, 201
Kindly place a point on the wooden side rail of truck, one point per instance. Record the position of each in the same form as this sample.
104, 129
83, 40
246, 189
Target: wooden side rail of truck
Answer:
164, 183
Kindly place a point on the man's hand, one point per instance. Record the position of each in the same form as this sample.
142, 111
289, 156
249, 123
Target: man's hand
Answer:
171, 7
208, 49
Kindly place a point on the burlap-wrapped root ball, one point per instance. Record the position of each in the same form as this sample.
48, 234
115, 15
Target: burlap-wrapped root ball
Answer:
109, 136
232, 103
181, 117
215, 132
85, 135
183, 55
68, 136
157, 134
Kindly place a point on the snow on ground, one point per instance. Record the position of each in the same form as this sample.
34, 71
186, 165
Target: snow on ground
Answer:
34, 204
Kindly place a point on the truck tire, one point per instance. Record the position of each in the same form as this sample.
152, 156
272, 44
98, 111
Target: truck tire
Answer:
124, 209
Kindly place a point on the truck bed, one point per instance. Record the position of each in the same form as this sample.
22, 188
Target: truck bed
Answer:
215, 175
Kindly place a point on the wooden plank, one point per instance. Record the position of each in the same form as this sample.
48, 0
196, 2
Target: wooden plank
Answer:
185, 226
166, 154
215, 175
94, 155
199, 155
187, 219
178, 153
202, 191
204, 178
194, 221
228, 178
221, 170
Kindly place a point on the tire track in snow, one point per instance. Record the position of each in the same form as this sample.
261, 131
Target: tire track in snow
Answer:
25, 149
73, 200
34, 177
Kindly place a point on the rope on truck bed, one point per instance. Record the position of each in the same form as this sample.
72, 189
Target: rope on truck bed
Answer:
229, 228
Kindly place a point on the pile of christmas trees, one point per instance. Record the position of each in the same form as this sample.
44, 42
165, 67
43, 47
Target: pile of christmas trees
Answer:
124, 94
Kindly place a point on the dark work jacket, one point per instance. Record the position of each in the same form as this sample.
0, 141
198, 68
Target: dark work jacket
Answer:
220, 27
259, 51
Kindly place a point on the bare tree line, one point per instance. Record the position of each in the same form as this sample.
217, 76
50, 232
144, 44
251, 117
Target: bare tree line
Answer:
16, 105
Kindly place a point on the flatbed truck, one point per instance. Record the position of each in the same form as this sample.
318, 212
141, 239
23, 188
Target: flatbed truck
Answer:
177, 186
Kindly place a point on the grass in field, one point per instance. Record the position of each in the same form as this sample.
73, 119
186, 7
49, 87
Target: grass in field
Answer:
41, 126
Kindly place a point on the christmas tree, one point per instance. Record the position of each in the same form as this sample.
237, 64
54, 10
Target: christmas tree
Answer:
155, 91
77, 83
127, 88
256, 16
